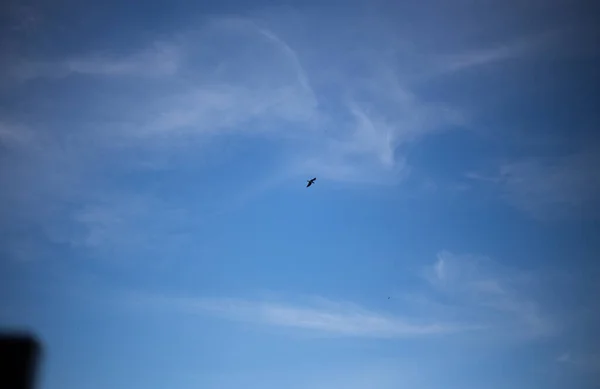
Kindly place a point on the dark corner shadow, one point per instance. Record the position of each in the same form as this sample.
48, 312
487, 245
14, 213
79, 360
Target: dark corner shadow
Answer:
20, 354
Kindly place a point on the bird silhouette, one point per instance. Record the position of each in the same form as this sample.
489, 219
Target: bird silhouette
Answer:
310, 182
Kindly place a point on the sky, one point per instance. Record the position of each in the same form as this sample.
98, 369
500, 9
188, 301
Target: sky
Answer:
156, 230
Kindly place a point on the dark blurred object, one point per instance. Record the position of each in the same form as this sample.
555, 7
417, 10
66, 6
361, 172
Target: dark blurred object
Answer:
19, 356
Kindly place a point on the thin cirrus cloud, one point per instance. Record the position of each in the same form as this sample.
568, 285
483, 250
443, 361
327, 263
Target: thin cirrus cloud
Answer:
14, 135
498, 296
207, 93
302, 77
200, 86
160, 59
325, 317
549, 188
369, 148
212, 88
461, 294
587, 362
525, 46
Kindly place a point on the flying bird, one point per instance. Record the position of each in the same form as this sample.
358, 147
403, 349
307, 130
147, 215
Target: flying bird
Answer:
310, 182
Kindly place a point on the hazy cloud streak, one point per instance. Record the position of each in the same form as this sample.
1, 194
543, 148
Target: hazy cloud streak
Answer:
328, 317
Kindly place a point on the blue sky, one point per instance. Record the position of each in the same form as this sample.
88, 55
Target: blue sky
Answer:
156, 231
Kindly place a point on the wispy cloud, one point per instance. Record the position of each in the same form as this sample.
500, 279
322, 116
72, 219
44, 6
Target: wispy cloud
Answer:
302, 77
267, 95
127, 229
383, 117
14, 135
204, 88
463, 294
495, 294
366, 154
459, 62
550, 188
325, 317
470, 59
587, 362
160, 59
455, 63
22, 17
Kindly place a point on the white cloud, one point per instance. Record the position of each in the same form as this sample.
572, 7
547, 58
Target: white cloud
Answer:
210, 87
459, 62
14, 135
495, 294
550, 188
124, 229
160, 59
564, 358
214, 88
325, 317
365, 154
302, 77
21, 18
586, 362
383, 117
203, 85
221, 109
526, 46
439, 269
465, 294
